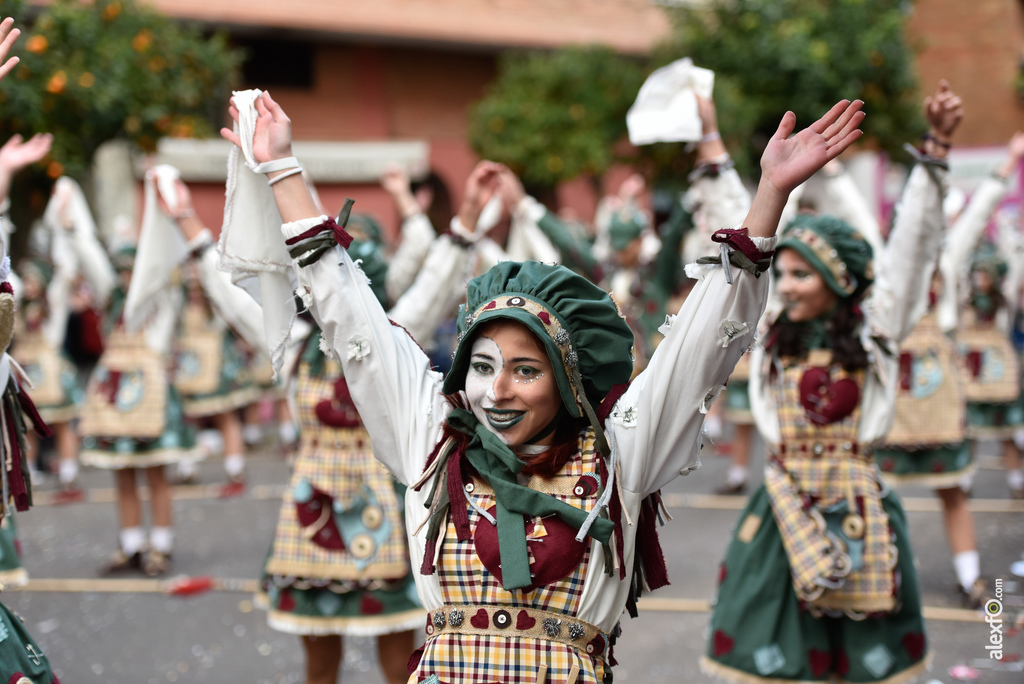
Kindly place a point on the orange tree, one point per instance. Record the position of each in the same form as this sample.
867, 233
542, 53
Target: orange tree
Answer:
553, 116
93, 71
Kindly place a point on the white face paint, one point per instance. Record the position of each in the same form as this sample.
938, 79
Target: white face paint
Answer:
485, 365
510, 385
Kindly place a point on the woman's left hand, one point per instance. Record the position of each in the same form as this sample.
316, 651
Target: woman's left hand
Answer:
789, 161
8, 34
272, 138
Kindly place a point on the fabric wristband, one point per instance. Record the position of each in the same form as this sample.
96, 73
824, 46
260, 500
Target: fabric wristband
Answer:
277, 165
289, 172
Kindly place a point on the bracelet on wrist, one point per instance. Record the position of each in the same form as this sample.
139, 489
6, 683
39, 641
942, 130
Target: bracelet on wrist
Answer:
929, 136
710, 137
289, 172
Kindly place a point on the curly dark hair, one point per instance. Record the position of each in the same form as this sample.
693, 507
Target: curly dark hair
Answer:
786, 338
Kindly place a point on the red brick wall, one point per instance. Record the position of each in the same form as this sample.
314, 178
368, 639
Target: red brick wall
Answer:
976, 46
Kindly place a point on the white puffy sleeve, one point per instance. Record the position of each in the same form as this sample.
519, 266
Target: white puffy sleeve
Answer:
656, 424
903, 274
233, 304
417, 235
397, 394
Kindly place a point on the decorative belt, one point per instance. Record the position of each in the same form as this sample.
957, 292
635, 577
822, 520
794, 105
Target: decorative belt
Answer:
519, 622
825, 447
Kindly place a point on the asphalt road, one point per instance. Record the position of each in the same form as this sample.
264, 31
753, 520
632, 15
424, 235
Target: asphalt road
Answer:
99, 632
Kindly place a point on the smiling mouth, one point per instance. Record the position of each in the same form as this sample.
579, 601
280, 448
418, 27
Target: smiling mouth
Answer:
504, 419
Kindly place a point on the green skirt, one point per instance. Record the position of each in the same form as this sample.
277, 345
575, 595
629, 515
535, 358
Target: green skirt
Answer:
737, 403
939, 467
19, 655
11, 572
177, 443
994, 421
760, 632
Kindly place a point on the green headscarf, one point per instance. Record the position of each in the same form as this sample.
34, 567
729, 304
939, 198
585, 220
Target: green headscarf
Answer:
834, 249
626, 226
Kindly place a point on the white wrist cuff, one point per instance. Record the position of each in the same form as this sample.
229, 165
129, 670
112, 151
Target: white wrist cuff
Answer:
277, 165
290, 172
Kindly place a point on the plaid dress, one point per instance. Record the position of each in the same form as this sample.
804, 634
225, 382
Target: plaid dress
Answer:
991, 371
339, 562
818, 581
927, 442
503, 647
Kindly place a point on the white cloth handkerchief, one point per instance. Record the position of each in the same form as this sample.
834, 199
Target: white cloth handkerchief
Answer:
666, 108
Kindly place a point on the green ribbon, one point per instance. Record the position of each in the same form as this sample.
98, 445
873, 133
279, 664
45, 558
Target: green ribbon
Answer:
499, 467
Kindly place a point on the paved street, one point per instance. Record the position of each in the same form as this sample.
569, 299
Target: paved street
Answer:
133, 632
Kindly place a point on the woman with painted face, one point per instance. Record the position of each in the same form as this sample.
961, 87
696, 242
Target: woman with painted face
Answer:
530, 466
818, 582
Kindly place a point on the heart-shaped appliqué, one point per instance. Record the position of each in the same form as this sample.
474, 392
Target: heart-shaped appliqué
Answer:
555, 555
827, 401
524, 621
480, 620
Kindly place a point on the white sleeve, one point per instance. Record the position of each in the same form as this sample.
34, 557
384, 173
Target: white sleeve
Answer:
232, 304
657, 423
526, 241
417, 235
397, 394
58, 290
94, 264
724, 199
903, 274
849, 204
426, 303
161, 325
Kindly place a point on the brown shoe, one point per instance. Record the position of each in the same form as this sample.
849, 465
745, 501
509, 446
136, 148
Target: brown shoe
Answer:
976, 597
156, 563
121, 563
726, 489
1017, 494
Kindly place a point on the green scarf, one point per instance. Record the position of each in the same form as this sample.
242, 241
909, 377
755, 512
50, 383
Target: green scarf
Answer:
499, 466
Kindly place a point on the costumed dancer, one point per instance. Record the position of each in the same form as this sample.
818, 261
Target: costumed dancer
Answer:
534, 433
21, 659
214, 366
339, 563
68, 234
132, 419
819, 580
927, 444
989, 297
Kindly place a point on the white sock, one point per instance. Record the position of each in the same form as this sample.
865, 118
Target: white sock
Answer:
966, 482
287, 432
234, 464
252, 433
68, 470
186, 468
133, 539
713, 425
1015, 478
737, 475
210, 442
968, 568
162, 539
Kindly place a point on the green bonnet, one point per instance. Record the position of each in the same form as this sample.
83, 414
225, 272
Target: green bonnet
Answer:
834, 249
585, 336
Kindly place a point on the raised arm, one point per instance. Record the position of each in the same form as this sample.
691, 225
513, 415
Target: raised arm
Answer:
233, 304
904, 270
392, 384
417, 234
659, 418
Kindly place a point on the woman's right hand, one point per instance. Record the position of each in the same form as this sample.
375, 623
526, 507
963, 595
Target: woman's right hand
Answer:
273, 136
8, 34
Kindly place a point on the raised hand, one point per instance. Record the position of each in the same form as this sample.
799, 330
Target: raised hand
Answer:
8, 34
17, 153
395, 181
789, 161
944, 110
273, 136
480, 187
510, 188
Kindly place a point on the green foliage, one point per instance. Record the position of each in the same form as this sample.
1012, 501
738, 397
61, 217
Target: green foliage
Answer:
94, 71
552, 116
803, 55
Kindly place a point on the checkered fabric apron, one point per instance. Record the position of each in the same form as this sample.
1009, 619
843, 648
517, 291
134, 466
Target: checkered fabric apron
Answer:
930, 397
819, 468
991, 368
338, 461
508, 651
